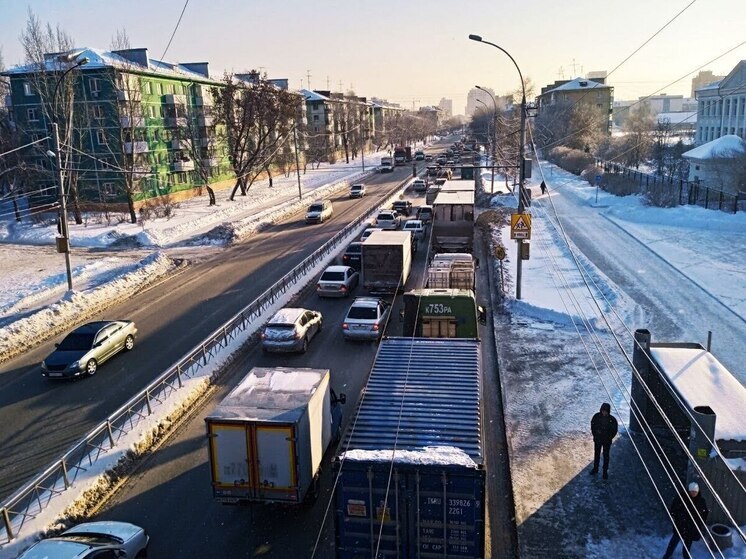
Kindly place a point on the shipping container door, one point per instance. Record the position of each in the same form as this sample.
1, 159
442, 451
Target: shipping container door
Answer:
230, 455
444, 327
276, 472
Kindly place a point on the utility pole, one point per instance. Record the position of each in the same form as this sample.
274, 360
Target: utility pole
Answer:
297, 162
308, 76
521, 192
63, 241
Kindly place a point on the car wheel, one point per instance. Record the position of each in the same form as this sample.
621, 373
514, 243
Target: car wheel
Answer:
90, 367
129, 343
305, 345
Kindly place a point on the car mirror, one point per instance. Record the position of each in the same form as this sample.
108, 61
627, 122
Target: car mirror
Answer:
342, 398
481, 315
401, 315
476, 262
56, 345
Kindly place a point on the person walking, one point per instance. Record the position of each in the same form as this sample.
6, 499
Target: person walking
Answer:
689, 512
543, 187
604, 428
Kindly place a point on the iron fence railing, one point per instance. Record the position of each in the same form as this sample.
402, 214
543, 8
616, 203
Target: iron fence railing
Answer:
686, 192
31, 499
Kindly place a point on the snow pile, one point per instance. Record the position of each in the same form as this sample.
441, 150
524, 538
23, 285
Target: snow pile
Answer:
75, 307
426, 456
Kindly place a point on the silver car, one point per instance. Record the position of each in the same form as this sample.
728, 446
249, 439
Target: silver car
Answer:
86, 347
337, 281
366, 319
387, 219
93, 540
416, 227
291, 329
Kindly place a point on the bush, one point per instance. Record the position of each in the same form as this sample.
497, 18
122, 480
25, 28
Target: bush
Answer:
662, 196
573, 160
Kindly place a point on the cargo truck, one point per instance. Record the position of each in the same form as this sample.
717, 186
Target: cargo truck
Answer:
386, 261
267, 438
402, 154
412, 469
441, 313
454, 270
387, 164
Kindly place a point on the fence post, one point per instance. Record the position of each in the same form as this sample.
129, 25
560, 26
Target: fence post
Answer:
64, 474
735, 204
110, 433
8, 525
707, 198
720, 201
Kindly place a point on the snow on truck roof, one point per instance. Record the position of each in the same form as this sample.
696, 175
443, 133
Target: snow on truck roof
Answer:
701, 380
382, 237
271, 393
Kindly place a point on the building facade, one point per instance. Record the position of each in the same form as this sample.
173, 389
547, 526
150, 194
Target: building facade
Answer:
446, 105
721, 107
474, 95
579, 92
705, 77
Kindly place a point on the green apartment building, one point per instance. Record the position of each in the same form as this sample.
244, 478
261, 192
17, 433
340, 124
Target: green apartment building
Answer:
141, 128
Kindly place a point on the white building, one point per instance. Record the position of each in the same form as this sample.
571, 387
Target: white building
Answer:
722, 106
709, 163
482, 95
663, 103
446, 105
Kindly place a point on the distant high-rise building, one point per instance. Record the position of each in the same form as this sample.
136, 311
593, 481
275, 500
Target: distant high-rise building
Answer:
478, 94
705, 77
446, 105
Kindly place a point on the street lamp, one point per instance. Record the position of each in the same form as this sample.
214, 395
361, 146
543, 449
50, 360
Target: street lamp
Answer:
494, 132
521, 153
489, 138
63, 241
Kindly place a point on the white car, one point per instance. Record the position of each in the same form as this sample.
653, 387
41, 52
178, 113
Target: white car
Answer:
93, 540
387, 219
319, 211
357, 191
416, 227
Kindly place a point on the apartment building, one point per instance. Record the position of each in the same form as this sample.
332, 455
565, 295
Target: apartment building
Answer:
721, 107
580, 92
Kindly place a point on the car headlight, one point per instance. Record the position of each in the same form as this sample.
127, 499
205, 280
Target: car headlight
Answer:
74, 365
44, 365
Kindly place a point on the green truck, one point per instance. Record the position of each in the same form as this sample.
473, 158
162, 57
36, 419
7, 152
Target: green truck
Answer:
441, 313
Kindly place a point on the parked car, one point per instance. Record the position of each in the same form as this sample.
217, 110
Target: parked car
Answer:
428, 157
99, 540
366, 319
357, 191
337, 281
319, 211
351, 256
291, 329
425, 214
367, 233
419, 185
387, 219
87, 347
416, 227
402, 207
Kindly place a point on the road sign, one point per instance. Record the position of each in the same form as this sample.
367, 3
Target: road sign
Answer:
598, 179
520, 226
500, 253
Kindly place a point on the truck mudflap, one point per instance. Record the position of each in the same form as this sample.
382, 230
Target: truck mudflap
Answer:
429, 513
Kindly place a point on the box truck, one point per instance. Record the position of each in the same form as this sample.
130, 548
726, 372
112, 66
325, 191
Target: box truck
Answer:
386, 261
412, 469
267, 438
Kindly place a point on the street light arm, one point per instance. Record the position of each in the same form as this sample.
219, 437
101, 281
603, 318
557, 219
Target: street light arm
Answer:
520, 74
81, 62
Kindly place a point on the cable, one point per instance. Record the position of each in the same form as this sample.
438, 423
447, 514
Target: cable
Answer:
175, 29
24, 146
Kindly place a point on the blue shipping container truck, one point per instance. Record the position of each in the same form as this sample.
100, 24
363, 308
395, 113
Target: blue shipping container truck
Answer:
429, 392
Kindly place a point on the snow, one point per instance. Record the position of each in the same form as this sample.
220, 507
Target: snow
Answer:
286, 316
426, 456
703, 381
723, 146
546, 412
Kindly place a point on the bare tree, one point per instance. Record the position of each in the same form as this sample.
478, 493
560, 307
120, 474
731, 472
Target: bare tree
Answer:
121, 40
256, 120
638, 130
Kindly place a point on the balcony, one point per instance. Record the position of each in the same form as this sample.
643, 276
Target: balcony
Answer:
135, 147
178, 143
140, 171
210, 162
203, 101
132, 122
175, 122
205, 120
181, 166
172, 99
206, 142
123, 94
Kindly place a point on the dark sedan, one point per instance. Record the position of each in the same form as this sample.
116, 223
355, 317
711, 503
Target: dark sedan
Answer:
86, 347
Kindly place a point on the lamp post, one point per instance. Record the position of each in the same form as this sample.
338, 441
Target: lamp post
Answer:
494, 133
521, 153
489, 137
63, 241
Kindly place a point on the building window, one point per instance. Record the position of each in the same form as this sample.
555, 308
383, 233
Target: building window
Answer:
95, 85
32, 115
108, 190
148, 88
27, 89
98, 112
315, 118
157, 135
101, 137
696, 167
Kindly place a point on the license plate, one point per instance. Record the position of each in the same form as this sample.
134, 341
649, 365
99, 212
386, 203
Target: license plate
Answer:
54, 374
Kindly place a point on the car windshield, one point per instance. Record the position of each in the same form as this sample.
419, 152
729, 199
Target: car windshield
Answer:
281, 326
357, 187
411, 225
365, 313
76, 342
385, 216
316, 208
333, 276
354, 249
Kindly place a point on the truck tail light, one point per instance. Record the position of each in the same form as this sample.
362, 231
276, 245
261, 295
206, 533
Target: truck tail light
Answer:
343, 288
345, 326
374, 327
318, 286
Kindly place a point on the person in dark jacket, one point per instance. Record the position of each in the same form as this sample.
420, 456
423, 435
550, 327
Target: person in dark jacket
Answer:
689, 513
604, 428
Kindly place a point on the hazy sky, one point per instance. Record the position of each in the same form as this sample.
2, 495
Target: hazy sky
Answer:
412, 51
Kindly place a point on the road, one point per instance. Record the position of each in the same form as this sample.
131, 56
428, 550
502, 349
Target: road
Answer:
39, 419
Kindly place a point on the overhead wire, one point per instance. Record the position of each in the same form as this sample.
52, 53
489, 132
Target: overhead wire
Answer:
175, 30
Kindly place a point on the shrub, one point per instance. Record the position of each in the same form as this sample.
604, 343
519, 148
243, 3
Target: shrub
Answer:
573, 160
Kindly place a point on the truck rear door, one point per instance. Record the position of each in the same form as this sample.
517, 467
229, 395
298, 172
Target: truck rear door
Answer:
229, 461
276, 471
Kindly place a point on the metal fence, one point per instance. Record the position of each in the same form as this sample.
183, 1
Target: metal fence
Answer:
31, 499
686, 192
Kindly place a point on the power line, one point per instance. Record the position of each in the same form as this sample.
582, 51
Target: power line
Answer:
175, 29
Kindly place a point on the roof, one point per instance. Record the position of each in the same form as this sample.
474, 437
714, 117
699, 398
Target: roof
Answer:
579, 84
454, 198
287, 315
382, 237
98, 59
701, 380
312, 95
271, 393
422, 393
366, 301
724, 146
336, 268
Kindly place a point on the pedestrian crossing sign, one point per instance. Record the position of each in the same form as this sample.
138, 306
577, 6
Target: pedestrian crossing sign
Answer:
520, 226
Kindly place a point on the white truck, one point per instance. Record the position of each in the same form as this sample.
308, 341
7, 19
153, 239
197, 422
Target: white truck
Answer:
267, 438
453, 270
387, 164
386, 261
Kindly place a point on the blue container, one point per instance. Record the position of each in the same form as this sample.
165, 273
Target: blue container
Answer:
412, 480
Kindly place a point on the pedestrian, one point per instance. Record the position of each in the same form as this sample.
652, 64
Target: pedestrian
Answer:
689, 512
604, 428
543, 187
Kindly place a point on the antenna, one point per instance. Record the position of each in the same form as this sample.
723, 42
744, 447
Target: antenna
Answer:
561, 73
327, 83
340, 86
414, 101
574, 71
308, 75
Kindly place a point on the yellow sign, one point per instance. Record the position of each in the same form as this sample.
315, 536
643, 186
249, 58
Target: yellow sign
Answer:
520, 226
500, 253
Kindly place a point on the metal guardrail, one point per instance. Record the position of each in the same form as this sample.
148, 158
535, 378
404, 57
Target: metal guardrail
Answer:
31, 499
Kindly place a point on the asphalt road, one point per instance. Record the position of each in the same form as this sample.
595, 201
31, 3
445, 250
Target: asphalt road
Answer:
39, 419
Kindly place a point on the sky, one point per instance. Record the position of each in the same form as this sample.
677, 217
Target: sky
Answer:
552, 490
416, 52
